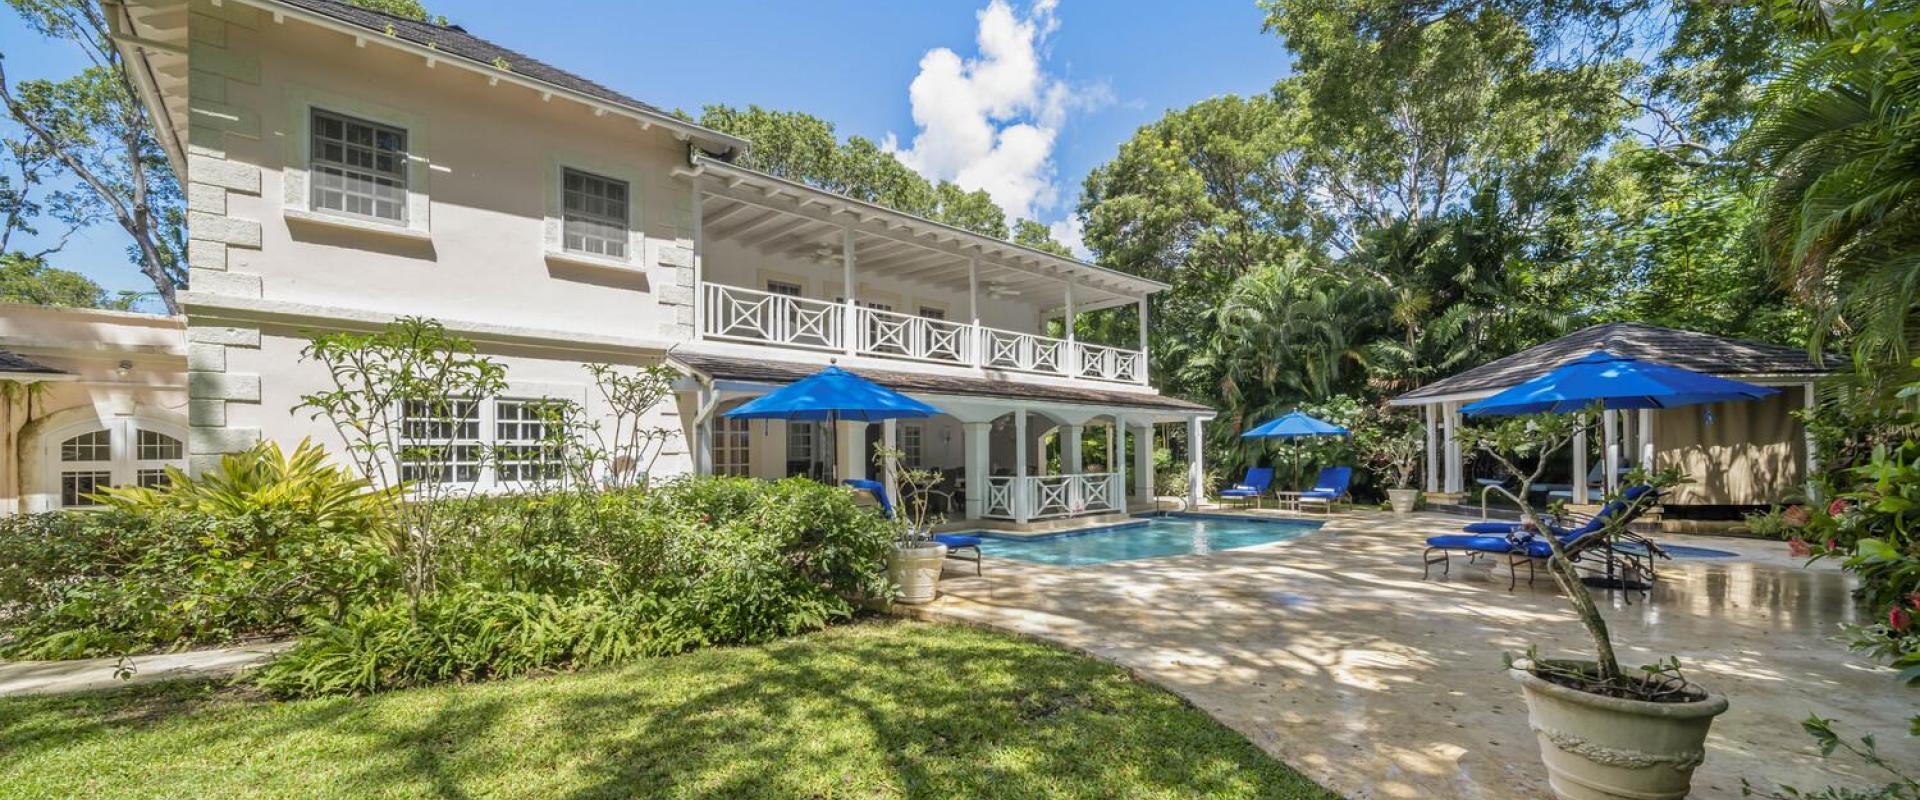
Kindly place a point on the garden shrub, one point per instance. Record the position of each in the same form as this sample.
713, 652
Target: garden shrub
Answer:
466, 633
256, 547
564, 580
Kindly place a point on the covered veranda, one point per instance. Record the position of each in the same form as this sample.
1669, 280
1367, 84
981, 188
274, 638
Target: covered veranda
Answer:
1011, 452
1738, 454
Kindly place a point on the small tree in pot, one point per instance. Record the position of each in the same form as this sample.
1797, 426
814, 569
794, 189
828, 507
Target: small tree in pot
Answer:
1392, 446
915, 563
1603, 732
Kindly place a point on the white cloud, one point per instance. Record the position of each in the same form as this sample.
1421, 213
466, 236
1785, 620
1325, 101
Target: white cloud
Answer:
1072, 233
990, 122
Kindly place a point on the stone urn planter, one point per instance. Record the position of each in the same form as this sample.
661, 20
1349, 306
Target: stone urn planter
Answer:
1403, 500
1600, 748
915, 568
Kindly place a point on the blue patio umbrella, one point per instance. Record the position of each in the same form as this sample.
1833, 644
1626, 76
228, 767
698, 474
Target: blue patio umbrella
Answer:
1615, 382
1295, 424
831, 395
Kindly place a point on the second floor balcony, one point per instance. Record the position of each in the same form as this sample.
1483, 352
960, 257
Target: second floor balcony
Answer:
790, 266
733, 313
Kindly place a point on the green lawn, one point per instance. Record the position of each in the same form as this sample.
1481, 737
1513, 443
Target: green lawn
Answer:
871, 710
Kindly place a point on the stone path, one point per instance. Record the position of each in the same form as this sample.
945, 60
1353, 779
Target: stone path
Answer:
1332, 654
54, 677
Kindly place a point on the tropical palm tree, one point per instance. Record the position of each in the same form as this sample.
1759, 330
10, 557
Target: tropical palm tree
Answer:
1839, 131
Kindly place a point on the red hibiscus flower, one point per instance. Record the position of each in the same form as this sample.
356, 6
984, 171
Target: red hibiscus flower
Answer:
1899, 619
1799, 548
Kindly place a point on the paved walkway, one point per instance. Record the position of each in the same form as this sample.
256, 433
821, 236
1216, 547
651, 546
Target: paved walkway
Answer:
54, 677
1331, 653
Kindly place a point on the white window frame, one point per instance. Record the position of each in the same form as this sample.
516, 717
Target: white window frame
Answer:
122, 465
732, 446
913, 444
803, 442
614, 220
397, 174
487, 440
554, 243
297, 177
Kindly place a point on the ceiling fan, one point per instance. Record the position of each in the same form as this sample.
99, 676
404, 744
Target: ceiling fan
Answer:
997, 289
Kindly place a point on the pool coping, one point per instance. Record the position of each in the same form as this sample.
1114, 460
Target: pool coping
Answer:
1140, 520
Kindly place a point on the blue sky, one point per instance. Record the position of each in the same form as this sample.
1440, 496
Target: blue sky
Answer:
1098, 71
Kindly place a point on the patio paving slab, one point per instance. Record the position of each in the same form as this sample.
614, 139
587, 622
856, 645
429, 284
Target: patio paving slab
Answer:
86, 674
1332, 654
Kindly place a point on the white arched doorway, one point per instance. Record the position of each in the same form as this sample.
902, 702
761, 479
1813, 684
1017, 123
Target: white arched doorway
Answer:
73, 455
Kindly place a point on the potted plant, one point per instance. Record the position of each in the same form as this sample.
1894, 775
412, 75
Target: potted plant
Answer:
916, 560
1393, 448
1603, 732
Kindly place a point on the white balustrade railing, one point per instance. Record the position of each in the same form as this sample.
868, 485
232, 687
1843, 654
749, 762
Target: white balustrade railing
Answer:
1027, 352
763, 317
1052, 496
747, 315
894, 335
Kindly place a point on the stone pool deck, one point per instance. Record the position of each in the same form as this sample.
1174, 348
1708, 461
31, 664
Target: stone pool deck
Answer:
1332, 654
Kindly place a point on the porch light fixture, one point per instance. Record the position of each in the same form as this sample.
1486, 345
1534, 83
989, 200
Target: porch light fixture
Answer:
124, 368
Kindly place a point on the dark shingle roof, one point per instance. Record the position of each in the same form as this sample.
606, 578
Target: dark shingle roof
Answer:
454, 41
15, 363
1700, 352
741, 369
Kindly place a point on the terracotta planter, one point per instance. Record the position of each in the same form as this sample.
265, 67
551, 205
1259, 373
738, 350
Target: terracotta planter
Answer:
1403, 500
916, 570
1601, 748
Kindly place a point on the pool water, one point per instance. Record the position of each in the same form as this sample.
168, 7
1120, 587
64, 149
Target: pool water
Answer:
1679, 550
1172, 535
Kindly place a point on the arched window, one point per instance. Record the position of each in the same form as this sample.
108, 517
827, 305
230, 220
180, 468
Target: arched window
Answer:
123, 452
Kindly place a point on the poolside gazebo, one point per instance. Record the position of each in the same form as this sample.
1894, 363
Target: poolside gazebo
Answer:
1737, 454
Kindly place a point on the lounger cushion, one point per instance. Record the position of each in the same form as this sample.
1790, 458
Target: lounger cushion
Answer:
1484, 544
1240, 491
1327, 494
952, 540
1491, 527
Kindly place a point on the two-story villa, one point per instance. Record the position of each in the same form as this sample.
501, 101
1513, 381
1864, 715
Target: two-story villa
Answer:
347, 167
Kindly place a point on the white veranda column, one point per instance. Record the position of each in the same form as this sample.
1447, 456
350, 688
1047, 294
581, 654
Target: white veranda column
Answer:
1072, 461
849, 451
890, 474
979, 438
1196, 465
1610, 440
1020, 450
1810, 401
1142, 462
1114, 451
1455, 481
1433, 448
1645, 430
1118, 466
1580, 459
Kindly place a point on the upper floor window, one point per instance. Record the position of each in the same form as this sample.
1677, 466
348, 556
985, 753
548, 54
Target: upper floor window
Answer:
595, 214
783, 288
359, 167
931, 312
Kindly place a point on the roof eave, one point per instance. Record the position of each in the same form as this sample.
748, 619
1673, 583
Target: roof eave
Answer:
1143, 286
682, 129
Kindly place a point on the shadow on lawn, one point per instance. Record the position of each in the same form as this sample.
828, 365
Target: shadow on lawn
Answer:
878, 708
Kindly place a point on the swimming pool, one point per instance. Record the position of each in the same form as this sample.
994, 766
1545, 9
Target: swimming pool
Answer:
1171, 535
1679, 550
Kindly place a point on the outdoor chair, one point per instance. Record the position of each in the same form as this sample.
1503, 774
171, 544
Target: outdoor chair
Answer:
1330, 486
955, 542
1251, 487
1521, 545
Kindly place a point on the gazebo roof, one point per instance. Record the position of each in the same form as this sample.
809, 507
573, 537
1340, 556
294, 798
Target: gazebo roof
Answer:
1700, 352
